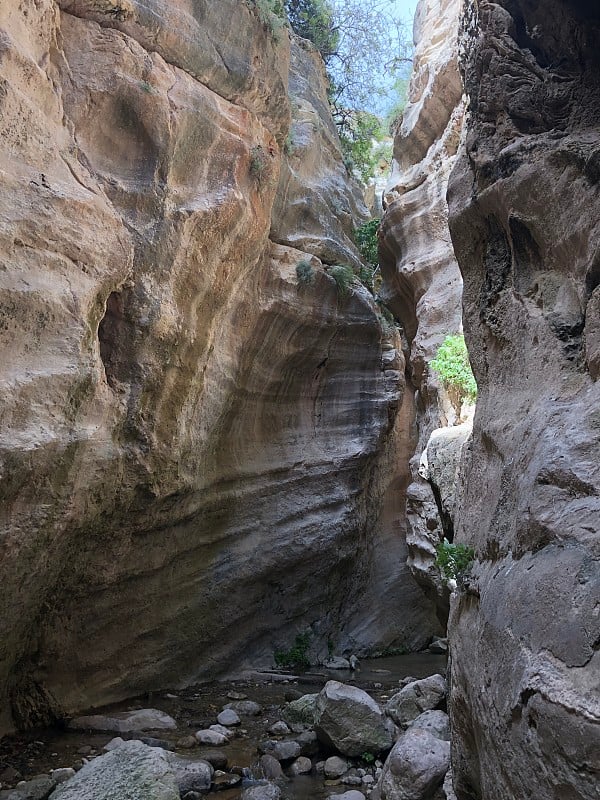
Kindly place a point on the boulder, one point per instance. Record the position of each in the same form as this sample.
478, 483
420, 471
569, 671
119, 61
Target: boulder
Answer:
144, 719
436, 722
353, 794
301, 766
270, 766
246, 708
415, 698
131, 770
302, 710
284, 750
308, 742
415, 768
212, 738
262, 791
334, 767
350, 721
191, 776
336, 662
36, 789
279, 729
228, 717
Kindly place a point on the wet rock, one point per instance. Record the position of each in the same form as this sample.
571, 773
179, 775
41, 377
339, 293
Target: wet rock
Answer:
279, 729
226, 732
228, 717
415, 768
114, 743
336, 662
187, 742
131, 770
350, 721
266, 791
270, 766
353, 794
438, 646
436, 722
302, 710
144, 719
38, 788
284, 750
334, 767
226, 780
213, 738
246, 708
309, 743
352, 780
152, 742
215, 758
415, 698
237, 695
62, 774
191, 775
301, 766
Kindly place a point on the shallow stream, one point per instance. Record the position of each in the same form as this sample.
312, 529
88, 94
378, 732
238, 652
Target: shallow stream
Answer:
39, 751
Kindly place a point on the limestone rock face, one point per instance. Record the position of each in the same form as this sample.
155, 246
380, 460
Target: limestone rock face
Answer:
422, 282
187, 441
524, 207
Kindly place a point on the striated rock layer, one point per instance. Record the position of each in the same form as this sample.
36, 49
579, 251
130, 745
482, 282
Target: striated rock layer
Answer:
524, 209
190, 468
422, 282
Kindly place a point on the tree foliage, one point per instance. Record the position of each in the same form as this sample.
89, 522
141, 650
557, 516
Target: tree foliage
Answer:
362, 45
452, 365
453, 560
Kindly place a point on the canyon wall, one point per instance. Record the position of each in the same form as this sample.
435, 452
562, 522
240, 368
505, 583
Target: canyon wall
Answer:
422, 283
524, 208
194, 451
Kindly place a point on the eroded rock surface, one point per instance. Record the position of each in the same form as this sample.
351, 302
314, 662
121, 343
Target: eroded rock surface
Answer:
187, 441
422, 282
524, 205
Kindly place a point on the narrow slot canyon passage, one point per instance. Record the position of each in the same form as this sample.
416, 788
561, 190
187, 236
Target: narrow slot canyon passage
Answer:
299, 409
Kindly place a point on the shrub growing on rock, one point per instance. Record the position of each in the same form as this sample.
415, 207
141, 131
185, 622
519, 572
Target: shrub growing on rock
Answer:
452, 365
453, 560
297, 656
343, 276
305, 274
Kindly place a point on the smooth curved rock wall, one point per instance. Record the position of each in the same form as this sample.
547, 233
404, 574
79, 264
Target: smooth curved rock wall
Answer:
422, 283
189, 444
524, 207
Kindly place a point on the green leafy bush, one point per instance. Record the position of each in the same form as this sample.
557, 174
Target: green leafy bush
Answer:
453, 560
305, 274
273, 15
366, 240
297, 656
451, 363
365, 276
343, 276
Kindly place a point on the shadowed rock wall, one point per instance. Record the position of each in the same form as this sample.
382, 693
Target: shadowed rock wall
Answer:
524, 209
192, 450
422, 282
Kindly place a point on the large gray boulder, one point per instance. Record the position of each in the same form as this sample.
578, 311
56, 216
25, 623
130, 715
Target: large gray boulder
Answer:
144, 719
350, 721
415, 698
301, 711
415, 768
191, 775
436, 722
129, 772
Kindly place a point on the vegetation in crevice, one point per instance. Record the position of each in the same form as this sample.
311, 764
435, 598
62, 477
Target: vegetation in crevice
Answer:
343, 275
451, 364
297, 656
454, 560
305, 273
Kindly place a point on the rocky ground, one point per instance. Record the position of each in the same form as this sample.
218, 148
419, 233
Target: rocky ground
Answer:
368, 734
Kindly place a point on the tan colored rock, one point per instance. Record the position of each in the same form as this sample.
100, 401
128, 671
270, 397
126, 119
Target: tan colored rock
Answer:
524, 209
186, 438
422, 282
